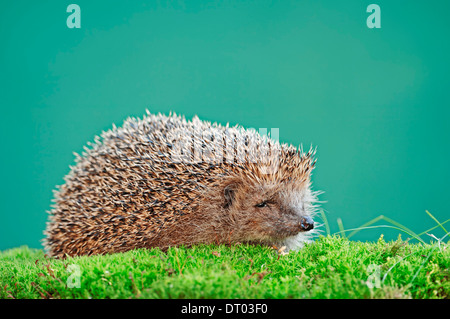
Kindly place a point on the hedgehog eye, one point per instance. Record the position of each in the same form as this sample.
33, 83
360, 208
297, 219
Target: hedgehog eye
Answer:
262, 204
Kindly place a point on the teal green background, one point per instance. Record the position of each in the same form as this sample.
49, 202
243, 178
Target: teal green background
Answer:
375, 102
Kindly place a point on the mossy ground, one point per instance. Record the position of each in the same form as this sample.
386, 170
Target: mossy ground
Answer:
331, 267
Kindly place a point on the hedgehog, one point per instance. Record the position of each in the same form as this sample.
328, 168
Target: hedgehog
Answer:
162, 181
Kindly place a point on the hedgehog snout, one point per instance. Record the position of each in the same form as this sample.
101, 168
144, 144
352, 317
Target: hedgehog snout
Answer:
306, 223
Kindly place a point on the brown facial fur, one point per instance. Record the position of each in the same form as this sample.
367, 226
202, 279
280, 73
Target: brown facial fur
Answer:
131, 190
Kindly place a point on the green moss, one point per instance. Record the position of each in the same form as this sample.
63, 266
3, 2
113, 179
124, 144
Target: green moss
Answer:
331, 267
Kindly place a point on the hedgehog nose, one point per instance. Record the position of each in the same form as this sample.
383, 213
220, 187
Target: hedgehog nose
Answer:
306, 223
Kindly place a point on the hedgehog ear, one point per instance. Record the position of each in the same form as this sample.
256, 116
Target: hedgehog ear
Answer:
229, 194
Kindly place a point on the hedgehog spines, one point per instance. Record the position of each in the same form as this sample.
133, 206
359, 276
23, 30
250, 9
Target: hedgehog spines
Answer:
139, 184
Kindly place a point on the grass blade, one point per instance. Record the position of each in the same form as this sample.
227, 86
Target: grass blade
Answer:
325, 221
437, 222
413, 234
373, 221
389, 220
383, 226
341, 227
432, 228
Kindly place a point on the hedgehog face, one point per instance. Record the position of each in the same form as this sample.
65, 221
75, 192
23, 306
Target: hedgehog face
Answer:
271, 213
